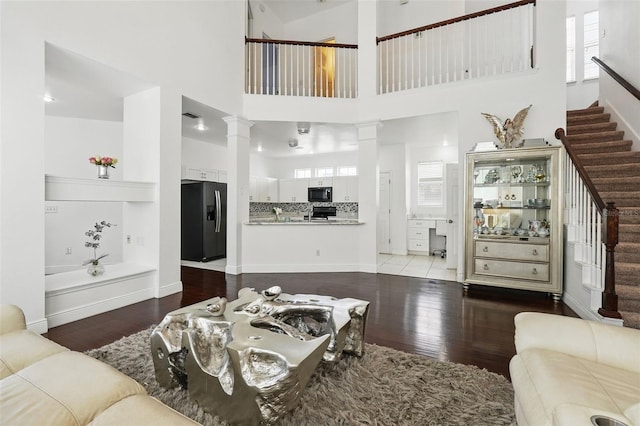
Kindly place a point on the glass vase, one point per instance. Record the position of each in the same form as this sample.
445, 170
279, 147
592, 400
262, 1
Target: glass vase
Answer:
95, 269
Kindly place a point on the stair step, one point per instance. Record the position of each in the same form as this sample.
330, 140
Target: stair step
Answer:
608, 184
585, 111
613, 157
602, 147
615, 135
628, 252
629, 216
628, 233
622, 199
587, 119
607, 171
590, 128
630, 319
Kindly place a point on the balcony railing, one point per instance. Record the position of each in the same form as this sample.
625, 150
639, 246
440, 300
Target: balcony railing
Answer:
491, 42
297, 68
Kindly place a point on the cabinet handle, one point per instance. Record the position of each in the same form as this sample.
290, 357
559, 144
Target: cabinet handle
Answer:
485, 249
486, 267
534, 252
534, 272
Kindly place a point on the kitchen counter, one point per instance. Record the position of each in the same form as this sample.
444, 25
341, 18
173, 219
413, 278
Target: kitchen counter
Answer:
303, 222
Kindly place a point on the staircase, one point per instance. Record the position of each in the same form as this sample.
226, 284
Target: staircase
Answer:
615, 172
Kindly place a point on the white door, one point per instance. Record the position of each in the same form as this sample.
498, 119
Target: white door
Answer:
384, 213
452, 215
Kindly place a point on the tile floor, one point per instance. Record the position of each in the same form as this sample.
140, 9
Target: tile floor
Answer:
415, 266
410, 265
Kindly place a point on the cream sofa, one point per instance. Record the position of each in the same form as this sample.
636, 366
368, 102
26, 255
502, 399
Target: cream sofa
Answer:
568, 370
43, 383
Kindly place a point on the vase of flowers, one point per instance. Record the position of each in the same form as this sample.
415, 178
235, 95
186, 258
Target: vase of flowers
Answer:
95, 235
103, 163
277, 211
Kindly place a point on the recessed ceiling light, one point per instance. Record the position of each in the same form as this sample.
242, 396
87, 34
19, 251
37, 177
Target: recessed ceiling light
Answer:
200, 126
48, 98
259, 148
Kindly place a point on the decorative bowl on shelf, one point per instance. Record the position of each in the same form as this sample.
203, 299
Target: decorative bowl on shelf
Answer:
538, 202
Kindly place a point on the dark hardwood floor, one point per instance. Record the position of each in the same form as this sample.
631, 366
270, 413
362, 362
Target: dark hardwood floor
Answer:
423, 316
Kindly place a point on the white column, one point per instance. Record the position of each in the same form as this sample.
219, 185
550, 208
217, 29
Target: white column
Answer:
367, 51
368, 189
238, 138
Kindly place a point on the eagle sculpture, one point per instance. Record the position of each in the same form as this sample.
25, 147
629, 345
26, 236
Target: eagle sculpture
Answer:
510, 131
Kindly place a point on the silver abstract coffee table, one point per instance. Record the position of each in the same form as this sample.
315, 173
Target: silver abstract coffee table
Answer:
249, 360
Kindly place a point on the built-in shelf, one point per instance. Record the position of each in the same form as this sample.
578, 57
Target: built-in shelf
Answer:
58, 188
75, 280
74, 295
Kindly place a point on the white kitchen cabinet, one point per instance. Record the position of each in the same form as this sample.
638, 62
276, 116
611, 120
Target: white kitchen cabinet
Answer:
208, 175
316, 182
418, 235
345, 189
293, 190
263, 189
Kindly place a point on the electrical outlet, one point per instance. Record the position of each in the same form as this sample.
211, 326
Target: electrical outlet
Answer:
51, 209
68, 251
317, 252
128, 239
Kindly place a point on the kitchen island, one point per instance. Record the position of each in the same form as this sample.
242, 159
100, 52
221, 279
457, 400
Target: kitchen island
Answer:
300, 245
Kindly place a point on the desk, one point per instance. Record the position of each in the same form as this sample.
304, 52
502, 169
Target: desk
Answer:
419, 234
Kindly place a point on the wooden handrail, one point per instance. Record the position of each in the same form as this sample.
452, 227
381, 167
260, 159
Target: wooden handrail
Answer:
458, 19
617, 77
560, 135
610, 214
299, 43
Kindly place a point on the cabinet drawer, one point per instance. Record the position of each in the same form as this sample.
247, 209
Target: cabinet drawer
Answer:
418, 233
504, 268
419, 245
419, 223
531, 252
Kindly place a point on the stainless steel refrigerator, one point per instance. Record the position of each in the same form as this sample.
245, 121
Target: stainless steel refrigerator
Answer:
204, 221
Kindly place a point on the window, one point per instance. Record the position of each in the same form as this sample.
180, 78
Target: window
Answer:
347, 171
324, 172
571, 49
591, 44
430, 184
302, 173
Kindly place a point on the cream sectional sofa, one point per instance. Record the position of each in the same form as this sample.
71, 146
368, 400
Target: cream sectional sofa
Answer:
568, 370
43, 383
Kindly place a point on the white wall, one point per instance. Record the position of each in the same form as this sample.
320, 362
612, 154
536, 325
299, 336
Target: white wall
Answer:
68, 144
286, 166
340, 22
619, 49
394, 17
581, 93
203, 155
170, 44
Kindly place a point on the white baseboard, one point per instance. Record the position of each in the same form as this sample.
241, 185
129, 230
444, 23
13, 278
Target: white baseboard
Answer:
307, 268
90, 309
169, 289
582, 312
40, 326
233, 270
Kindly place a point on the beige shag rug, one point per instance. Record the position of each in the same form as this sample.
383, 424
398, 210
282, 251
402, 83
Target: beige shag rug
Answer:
384, 387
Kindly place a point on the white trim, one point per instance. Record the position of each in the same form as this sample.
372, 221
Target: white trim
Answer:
263, 268
40, 326
90, 309
233, 270
169, 289
579, 309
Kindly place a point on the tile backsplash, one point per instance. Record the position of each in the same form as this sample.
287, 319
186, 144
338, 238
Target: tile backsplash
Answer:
300, 209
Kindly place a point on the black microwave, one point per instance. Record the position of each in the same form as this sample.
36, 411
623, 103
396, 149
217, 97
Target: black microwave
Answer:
321, 194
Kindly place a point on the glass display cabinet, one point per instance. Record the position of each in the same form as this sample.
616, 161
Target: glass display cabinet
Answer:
513, 222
